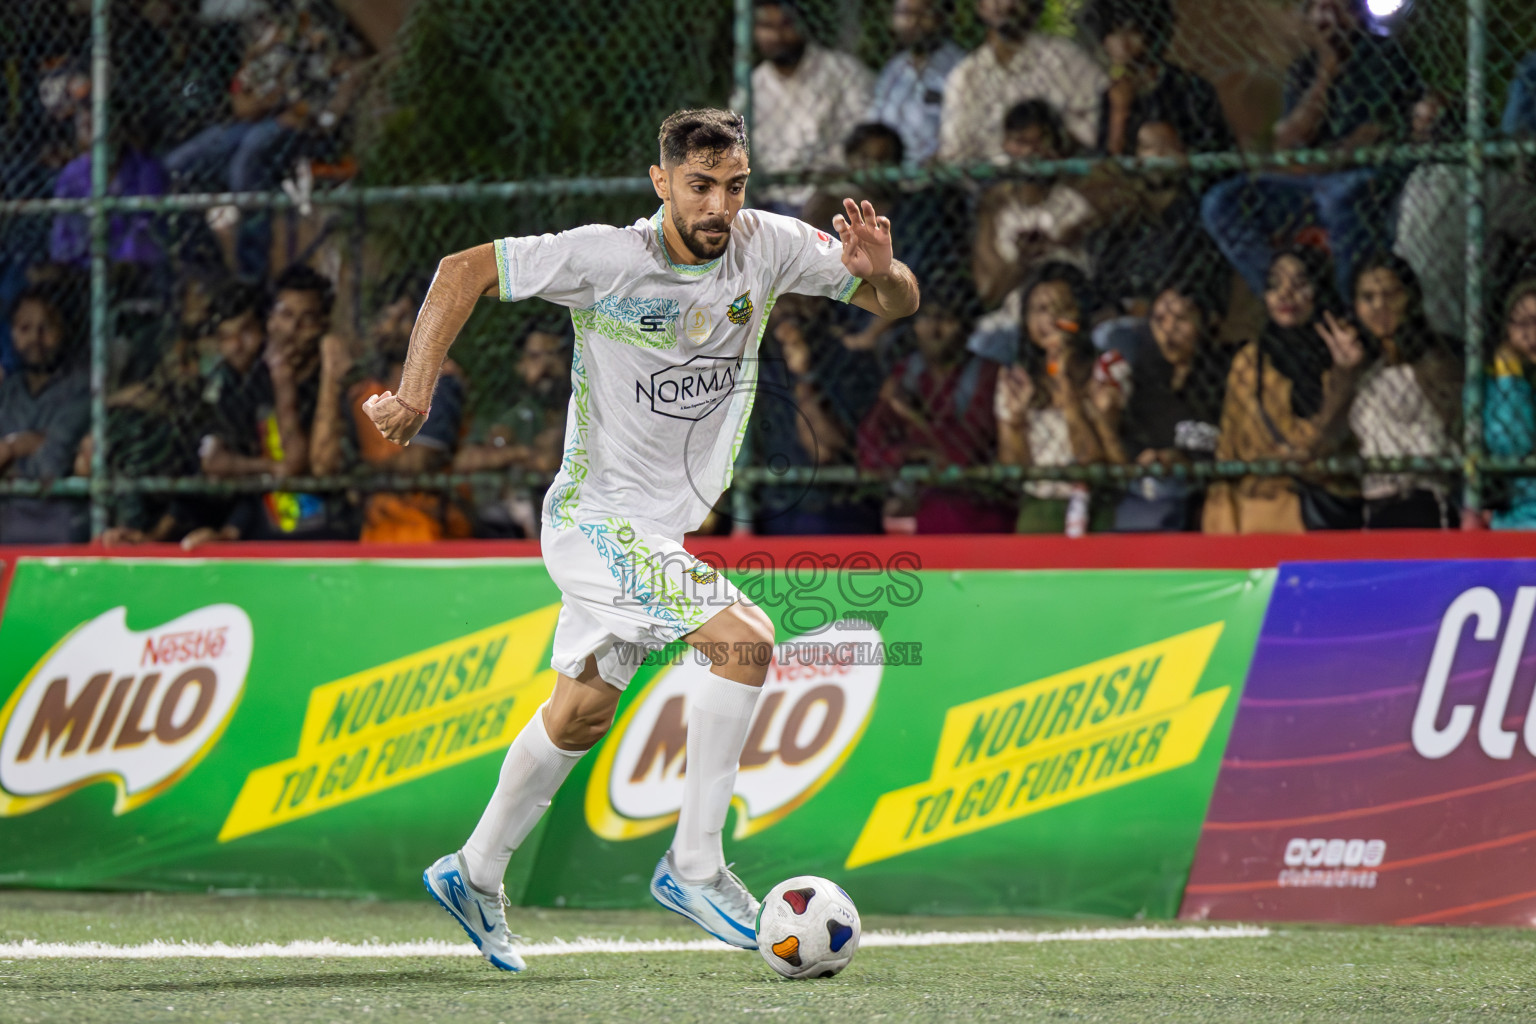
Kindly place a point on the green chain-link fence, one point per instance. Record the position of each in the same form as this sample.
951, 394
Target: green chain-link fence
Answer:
1093, 199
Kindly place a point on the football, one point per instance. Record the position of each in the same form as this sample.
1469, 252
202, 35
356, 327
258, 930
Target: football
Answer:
807, 928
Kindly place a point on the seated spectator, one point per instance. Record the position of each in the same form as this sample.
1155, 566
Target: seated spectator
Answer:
1016, 63
1022, 224
803, 420
388, 516
1168, 410
1353, 89
527, 435
246, 154
296, 78
1432, 217
1044, 416
131, 237
1407, 395
924, 229
269, 425
45, 409
1287, 397
1145, 87
231, 393
1155, 226
909, 94
153, 427
1509, 408
935, 409
805, 100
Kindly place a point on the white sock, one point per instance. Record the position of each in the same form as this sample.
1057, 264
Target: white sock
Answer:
533, 770
717, 728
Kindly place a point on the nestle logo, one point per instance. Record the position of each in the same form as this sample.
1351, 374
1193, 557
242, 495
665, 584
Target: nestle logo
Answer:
691, 391
189, 645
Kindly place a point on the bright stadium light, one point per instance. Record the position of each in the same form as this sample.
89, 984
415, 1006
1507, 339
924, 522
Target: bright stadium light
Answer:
1382, 10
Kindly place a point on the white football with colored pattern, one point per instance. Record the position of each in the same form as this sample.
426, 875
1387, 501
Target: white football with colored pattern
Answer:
808, 927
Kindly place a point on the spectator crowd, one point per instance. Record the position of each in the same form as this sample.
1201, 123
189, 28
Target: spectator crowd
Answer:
1078, 313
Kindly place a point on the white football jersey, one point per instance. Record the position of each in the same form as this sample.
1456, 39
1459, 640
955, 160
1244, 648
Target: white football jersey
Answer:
664, 370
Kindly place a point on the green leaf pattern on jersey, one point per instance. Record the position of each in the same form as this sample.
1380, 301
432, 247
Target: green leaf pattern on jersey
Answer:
642, 576
620, 320
750, 384
563, 504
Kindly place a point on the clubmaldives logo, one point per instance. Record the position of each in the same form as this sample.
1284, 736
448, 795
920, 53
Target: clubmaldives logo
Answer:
138, 708
814, 708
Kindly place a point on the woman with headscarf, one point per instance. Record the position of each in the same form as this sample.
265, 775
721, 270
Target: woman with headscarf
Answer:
1407, 389
1287, 398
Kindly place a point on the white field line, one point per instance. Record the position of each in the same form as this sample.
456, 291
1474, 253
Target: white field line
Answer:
330, 949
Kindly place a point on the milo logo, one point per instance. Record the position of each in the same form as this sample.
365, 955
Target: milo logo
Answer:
813, 709
137, 707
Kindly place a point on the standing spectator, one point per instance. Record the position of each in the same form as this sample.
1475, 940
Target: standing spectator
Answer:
1353, 89
909, 94
527, 435
289, 407
1145, 87
388, 516
1509, 411
1044, 415
45, 409
935, 409
1287, 397
805, 100
1021, 224
1169, 409
1407, 394
1016, 63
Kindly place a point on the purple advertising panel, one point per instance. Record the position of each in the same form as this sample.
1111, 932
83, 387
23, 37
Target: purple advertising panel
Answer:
1382, 767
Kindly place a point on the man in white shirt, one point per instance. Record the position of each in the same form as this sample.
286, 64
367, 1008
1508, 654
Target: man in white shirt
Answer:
909, 94
668, 314
1016, 63
805, 100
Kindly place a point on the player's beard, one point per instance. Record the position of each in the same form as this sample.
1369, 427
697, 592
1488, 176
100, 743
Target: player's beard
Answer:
701, 247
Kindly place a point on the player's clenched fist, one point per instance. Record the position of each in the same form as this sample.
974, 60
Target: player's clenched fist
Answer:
396, 421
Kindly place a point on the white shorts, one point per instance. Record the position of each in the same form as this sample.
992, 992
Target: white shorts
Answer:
626, 592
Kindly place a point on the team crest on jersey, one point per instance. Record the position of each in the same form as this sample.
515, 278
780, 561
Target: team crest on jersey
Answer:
703, 574
740, 310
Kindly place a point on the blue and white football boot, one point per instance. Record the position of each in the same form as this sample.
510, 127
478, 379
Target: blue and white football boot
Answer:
481, 915
721, 906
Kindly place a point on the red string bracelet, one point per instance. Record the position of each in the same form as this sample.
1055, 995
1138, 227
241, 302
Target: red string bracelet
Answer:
411, 409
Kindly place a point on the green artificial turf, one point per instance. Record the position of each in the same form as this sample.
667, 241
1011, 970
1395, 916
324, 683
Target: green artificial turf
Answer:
1294, 974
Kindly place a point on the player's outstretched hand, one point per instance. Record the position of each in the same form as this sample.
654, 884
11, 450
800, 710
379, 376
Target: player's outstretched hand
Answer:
395, 421
866, 240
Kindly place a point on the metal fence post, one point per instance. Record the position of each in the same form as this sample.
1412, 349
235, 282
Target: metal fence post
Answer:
1476, 185
741, 74
101, 174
